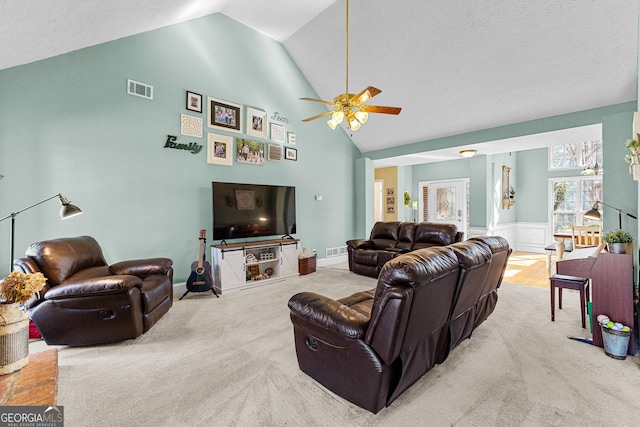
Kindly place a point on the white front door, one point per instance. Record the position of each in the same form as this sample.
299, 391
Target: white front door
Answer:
446, 202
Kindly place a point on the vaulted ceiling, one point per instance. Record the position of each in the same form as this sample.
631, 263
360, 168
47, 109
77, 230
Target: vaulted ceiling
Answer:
454, 66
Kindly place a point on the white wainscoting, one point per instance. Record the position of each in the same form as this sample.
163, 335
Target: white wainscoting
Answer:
522, 236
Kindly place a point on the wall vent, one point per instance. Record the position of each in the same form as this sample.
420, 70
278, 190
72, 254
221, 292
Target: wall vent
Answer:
139, 89
337, 251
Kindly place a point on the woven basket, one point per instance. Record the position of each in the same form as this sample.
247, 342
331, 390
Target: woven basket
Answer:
14, 338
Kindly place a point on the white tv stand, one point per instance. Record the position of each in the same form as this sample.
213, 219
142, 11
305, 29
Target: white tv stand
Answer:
244, 265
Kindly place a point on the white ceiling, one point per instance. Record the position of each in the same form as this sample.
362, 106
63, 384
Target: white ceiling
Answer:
454, 66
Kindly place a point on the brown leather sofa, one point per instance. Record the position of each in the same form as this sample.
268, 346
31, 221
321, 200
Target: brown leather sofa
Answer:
390, 239
371, 346
86, 301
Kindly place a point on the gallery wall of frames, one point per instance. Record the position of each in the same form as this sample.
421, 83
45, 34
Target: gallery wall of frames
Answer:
261, 138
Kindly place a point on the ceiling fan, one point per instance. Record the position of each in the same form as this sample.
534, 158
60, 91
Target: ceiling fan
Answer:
348, 105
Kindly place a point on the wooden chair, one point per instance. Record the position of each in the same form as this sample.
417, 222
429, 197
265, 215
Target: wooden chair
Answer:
586, 236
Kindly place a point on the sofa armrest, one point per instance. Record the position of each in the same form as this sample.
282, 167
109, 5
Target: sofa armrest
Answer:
329, 314
362, 244
94, 287
142, 267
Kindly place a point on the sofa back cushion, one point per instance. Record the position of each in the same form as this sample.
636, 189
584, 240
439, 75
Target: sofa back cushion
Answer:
500, 252
412, 302
474, 259
406, 236
385, 234
59, 259
434, 234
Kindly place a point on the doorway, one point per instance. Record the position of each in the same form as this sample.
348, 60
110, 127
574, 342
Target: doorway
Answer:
444, 202
378, 204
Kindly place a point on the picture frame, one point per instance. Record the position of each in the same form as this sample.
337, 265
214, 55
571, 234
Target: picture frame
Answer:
191, 125
278, 133
224, 115
219, 149
274, 152
194, 102
291, 138
257, 124
290, 153
391, 209
391, 191
249, 151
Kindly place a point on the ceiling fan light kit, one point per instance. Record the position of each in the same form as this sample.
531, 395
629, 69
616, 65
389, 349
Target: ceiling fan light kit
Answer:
348, 105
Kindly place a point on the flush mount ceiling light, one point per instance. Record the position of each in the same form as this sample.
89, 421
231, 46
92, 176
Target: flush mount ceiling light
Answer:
349, 106
468, 153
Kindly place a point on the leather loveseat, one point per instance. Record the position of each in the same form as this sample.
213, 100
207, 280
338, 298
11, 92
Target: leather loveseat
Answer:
390, 239
371, 346
85, 301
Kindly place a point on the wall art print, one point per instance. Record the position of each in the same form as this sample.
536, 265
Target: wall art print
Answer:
194, 102
219, 149
249, 151
257, 123
191, 126
224, 115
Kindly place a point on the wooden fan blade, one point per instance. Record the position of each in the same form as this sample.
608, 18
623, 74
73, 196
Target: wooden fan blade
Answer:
365, 95
380, 109
326, 113
317, 100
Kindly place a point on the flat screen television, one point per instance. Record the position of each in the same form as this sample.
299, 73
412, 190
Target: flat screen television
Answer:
252, 210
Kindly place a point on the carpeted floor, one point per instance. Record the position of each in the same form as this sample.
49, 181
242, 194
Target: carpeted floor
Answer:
231, 362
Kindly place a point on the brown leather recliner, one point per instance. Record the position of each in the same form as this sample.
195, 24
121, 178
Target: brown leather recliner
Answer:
390, 239
86, 301
373, 345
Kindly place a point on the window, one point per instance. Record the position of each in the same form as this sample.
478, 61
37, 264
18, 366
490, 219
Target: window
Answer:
571, 197
575, 156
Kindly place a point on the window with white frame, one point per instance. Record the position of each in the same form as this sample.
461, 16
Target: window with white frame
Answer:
570, 198
586, 154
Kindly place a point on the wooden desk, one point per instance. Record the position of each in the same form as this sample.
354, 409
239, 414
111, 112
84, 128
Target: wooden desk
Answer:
34, 385
611, 288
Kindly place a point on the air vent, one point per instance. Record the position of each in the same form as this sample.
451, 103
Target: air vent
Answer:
331, 252
139, 89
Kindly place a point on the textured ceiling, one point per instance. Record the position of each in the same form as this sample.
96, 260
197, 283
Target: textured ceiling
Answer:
454, 66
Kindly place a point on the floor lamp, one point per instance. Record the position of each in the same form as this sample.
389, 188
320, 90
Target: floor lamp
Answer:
67, 210
593, 213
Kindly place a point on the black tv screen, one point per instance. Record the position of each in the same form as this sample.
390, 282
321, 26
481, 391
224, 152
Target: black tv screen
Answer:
252, 210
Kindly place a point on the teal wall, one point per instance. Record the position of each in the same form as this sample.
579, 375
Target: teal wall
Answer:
67, 125
530, 174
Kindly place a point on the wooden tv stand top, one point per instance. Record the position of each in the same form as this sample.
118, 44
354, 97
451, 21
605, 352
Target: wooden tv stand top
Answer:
234, 246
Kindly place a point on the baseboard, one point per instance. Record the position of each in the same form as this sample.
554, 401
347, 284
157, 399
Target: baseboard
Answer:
324, 262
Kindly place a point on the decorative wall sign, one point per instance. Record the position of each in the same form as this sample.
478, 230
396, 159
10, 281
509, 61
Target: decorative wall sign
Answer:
224, 115
190, 126
192, 146
290, 153
194, 101
219, 149
278, 118
249, 151
274, 152
291, 137
277, 133
257, 123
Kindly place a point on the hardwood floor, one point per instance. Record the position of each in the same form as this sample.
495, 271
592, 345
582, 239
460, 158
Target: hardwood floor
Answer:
527, 268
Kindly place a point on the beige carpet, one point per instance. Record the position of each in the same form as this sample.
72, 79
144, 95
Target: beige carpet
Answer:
231, 362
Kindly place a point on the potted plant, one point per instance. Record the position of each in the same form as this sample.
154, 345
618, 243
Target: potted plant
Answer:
617, 241
633, 159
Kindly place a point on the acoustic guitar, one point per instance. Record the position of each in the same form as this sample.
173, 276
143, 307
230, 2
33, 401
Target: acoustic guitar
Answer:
200, 279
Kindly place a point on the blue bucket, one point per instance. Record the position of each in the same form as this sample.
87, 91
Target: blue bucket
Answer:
616, 343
